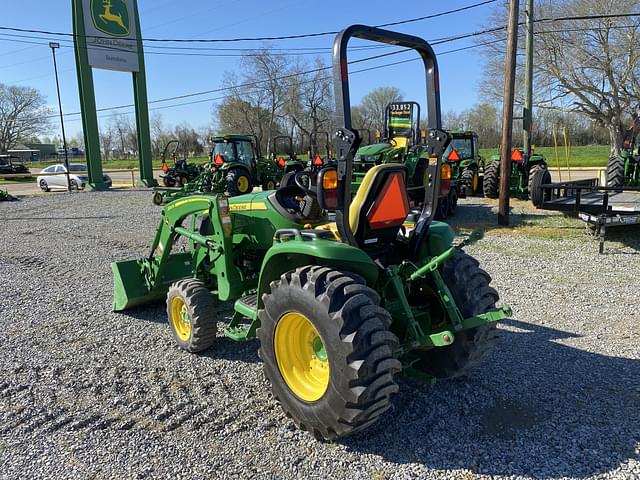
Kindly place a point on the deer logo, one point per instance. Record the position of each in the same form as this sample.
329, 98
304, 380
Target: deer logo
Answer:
111, 17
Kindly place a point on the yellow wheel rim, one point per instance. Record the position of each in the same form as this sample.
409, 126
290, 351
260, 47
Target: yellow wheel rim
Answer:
271, 185
180, 318
301, 356
474, 181
243, 183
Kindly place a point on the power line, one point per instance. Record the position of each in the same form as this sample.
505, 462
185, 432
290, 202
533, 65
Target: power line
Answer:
253, 84
252, 39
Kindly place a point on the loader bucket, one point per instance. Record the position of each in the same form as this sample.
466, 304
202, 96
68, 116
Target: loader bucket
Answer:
129, 286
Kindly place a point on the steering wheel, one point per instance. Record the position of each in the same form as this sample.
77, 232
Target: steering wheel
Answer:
303, 180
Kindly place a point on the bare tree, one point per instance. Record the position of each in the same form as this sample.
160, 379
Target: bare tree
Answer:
371, 110
107, 140
589, 66
23, 113
263, 86
310, 105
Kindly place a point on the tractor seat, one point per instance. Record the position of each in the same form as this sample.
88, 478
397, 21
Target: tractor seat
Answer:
293, 203
380, 207
400, 142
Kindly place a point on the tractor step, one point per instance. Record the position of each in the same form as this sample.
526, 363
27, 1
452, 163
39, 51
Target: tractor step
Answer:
245, 307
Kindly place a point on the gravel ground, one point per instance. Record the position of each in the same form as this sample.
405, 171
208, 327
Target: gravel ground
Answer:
87, 393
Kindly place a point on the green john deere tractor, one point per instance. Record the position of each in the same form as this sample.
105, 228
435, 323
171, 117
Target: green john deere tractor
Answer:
528, 173
235, 167
284, 157
339, 308
624, 169
402, 142
467, 165
236, 160
316, 160
182, 172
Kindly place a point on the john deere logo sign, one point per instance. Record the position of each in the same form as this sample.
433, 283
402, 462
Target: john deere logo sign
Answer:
111, 17
111, 34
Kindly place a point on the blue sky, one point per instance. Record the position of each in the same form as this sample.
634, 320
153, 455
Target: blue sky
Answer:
172, 75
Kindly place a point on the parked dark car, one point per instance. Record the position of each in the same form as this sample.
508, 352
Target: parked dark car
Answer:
12, 165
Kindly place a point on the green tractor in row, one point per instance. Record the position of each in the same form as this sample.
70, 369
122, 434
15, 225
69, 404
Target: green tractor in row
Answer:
402, 142
181, 172
528, 174
467, 165
624, 170
235, 166
337, 318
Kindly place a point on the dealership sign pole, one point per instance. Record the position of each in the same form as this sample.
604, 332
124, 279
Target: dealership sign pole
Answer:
107, 36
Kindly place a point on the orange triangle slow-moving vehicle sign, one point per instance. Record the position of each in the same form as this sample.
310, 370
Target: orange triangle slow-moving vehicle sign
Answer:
391, 207
516, 155
454, 156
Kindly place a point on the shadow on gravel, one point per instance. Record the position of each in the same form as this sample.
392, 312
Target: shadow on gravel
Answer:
224, 348
628, 236
539, 409
475, 215
54, 219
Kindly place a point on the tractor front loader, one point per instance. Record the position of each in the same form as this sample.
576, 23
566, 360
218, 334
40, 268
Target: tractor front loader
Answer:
340, 308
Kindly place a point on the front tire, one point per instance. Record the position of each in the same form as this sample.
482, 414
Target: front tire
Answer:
469, 285
238, 182
157, 198
615, 172
442, 209
471, 181
44, 186
169, 181
491, 182
452, 201
538, 175
268, 184
327, 350
191, 315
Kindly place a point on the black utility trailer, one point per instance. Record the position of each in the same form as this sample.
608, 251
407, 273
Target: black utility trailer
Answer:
598, 206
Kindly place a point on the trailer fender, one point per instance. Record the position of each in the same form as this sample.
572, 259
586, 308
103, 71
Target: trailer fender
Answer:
287, 256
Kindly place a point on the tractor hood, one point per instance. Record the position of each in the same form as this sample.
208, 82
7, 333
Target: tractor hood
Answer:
374, 150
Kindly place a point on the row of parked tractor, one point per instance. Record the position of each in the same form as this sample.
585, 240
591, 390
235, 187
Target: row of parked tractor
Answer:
236, 165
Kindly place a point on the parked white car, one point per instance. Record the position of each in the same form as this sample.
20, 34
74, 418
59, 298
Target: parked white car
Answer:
51, 178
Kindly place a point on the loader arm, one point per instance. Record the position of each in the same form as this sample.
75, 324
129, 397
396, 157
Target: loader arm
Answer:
137, 282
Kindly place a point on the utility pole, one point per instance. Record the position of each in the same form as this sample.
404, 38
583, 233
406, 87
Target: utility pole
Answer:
53, 46
528, 77
507, 112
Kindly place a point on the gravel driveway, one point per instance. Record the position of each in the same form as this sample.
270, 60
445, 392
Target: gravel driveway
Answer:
88, 393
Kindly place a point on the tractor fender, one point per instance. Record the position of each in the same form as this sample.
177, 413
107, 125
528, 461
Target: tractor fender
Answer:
439, 239
287, 256
294, 166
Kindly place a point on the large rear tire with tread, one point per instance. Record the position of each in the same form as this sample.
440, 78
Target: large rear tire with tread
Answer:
538, 175
191, 314
348, 387
615, 172
491, 183
469, 285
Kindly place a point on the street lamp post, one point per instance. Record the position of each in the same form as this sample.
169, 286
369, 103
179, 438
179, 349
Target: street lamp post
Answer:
53, 46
